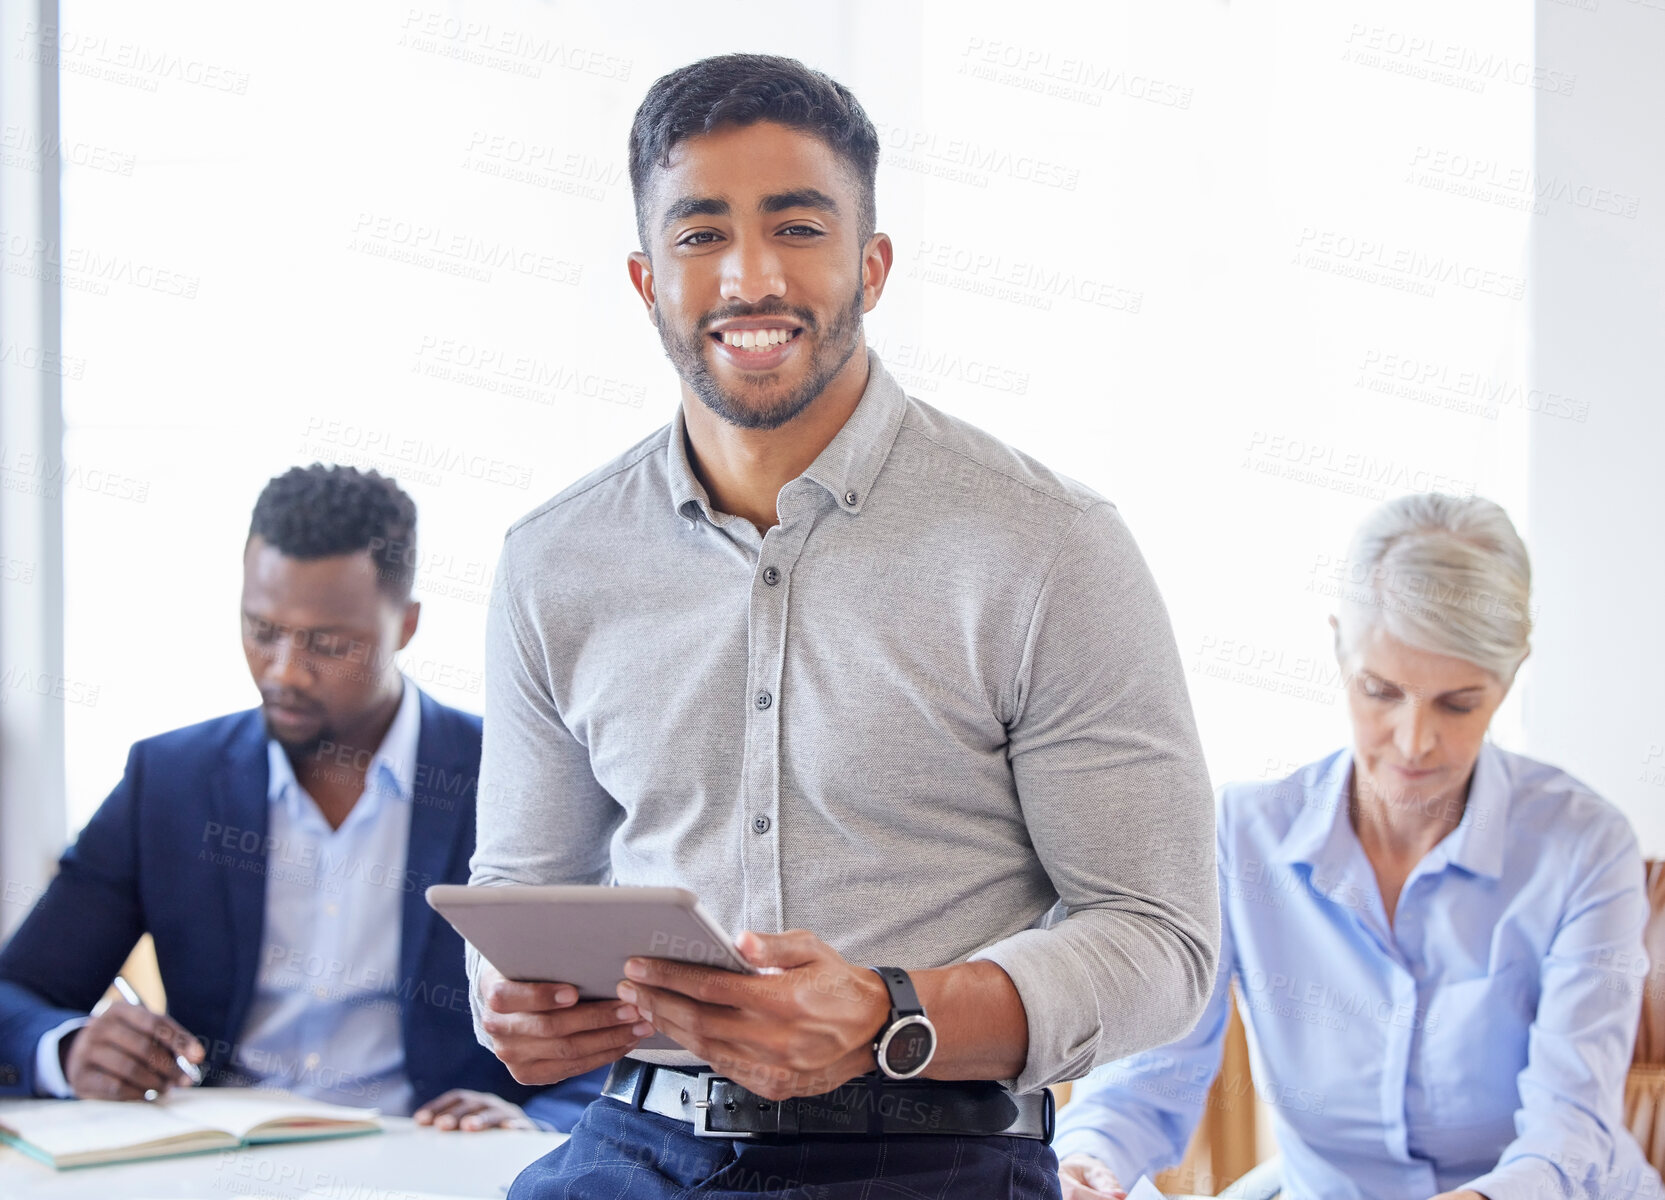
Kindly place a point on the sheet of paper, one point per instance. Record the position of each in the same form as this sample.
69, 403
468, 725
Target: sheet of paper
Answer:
1144, 1190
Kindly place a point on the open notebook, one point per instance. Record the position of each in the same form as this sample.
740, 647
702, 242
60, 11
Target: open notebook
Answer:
82, 1133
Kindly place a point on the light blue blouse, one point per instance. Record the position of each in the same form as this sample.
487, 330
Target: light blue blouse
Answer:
1479, 1041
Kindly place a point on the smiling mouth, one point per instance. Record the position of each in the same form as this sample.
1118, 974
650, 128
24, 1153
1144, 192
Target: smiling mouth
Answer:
759, 341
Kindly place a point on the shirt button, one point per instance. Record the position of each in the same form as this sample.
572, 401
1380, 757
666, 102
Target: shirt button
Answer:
771, 576
850, 499
311, 1063
760, 824
764, 700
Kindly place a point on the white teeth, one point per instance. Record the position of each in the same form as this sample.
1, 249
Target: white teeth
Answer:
750, 339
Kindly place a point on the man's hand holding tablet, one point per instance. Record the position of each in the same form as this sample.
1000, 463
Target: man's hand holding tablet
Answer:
802, 1027
552, 995
543, 1033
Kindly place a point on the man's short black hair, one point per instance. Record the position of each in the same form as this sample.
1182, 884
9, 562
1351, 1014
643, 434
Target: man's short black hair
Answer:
321, 511
743, 89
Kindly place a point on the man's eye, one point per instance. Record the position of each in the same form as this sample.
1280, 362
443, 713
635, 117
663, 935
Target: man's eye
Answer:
1458, 708
699, 238
804, 230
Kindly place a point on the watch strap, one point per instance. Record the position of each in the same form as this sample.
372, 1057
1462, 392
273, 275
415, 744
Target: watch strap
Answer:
904, 1000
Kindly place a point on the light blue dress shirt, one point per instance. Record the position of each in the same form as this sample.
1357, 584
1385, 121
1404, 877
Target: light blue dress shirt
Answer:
324, 1020
1479, 1041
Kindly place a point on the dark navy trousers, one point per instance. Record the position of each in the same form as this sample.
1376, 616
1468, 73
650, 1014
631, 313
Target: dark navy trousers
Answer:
616, 1153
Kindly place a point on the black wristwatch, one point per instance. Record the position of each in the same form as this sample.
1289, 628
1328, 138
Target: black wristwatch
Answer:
908, 1039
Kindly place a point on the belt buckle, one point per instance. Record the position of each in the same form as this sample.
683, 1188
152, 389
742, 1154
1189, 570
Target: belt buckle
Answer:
702, 1113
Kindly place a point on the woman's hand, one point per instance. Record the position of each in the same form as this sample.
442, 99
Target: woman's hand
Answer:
1085, 1178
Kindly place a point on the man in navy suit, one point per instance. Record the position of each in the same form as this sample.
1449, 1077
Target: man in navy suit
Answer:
278, 858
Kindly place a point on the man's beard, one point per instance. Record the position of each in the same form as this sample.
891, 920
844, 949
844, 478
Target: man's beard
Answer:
300, 751
687, 355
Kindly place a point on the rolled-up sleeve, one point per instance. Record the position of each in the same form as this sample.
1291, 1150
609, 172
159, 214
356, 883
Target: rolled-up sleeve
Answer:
1116, 799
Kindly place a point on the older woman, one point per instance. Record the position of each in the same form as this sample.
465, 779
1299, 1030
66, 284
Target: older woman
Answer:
1428, 933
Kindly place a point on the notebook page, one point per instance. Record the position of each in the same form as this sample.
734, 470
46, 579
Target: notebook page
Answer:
240, 1110
67, 1127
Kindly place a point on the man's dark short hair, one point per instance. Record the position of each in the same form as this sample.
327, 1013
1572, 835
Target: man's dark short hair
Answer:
321, 511
743, 89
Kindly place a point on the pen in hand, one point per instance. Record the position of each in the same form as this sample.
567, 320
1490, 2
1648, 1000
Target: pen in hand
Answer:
189, 1068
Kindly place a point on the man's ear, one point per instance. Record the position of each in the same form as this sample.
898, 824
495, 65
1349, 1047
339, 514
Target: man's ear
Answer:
407, 629
641, 278
876, 258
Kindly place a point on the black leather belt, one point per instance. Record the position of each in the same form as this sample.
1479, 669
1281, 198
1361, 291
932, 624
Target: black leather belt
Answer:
867, 1106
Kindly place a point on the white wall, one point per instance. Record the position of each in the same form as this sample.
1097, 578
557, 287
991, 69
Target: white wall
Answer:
1597, 487
1208, 240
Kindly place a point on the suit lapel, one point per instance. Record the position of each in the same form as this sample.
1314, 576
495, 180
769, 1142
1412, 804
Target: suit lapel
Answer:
238, 802
438, 806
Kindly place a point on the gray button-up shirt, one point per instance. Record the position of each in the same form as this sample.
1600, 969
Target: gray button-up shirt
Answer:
935, 714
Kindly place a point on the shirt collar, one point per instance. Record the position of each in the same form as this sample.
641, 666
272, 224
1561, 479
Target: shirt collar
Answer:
1322, 837
1476, 845
846, 468
1319, 835
392, 772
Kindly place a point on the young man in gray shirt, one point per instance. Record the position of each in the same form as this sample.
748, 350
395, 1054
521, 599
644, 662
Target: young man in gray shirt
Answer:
883, 691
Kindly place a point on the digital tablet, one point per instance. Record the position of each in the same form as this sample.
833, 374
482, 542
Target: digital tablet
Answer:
581, 934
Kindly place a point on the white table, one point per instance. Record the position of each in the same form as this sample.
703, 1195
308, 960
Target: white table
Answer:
403, 1159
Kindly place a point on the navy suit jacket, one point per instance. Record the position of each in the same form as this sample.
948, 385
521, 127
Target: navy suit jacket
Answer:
179, 851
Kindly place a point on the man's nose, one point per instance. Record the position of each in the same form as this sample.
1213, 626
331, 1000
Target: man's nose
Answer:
287, 667
753, 271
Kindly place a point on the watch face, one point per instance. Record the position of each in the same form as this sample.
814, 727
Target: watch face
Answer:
909, 1046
